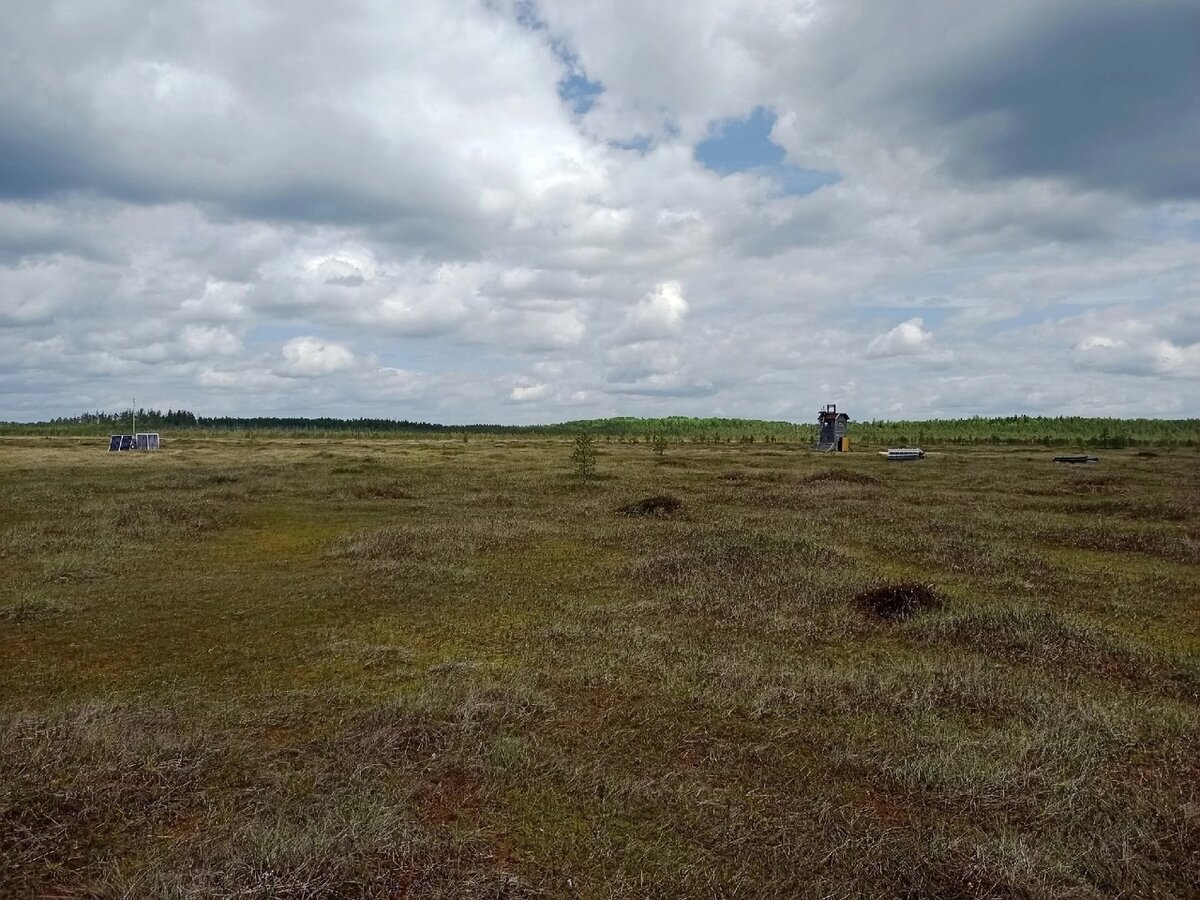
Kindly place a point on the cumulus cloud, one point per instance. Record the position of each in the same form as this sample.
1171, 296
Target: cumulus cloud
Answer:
659, 314
1144, 355
308, 357
526, 393
906, 339
469, 211
1153, 358
199, 342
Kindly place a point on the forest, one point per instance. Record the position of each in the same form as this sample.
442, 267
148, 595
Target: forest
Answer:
1057, 431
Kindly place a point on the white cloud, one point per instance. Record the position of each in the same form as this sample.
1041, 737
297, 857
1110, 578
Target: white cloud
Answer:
308, 357
1099, 341
1148, 356
525, 393
198, 342
252, 379
659, 314
908, 338
345, 269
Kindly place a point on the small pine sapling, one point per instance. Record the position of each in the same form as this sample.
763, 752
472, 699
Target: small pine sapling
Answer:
583, 457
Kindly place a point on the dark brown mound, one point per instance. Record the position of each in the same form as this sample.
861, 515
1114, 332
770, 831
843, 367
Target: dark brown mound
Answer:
897, 602
844, 476
381, 490
661, 505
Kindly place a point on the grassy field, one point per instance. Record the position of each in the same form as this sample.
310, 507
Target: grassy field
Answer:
339, 668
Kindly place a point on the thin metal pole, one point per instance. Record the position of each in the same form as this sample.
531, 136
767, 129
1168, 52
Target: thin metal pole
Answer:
135, 421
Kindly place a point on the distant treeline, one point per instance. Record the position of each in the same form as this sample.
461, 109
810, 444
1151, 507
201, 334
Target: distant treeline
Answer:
1056, 431
152, 419
1059, 431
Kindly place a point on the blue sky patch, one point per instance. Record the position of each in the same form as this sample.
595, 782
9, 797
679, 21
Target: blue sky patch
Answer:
579, 92
885, 317
528, 15
795, 180
745, 145
275, 333
738, 145
640, 143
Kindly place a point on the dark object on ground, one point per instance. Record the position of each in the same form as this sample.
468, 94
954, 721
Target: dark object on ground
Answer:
141, 441
662, 505
1077, 459
847, 476
897, 602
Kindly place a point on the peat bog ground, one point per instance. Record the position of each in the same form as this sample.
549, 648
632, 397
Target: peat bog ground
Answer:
406, 668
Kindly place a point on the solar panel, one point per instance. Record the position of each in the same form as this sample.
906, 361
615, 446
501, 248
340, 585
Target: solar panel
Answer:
143, 440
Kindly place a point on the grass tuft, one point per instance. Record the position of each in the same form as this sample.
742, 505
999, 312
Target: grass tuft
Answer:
34, 609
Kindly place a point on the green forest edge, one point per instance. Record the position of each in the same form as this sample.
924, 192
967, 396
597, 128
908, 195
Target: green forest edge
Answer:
1061, 431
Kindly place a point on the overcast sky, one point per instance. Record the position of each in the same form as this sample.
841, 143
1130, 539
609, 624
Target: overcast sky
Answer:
481, 210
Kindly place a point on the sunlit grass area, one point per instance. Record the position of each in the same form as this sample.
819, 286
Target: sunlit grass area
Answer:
331, 668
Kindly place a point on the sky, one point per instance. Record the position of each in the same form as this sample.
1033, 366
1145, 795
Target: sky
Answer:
517, 212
